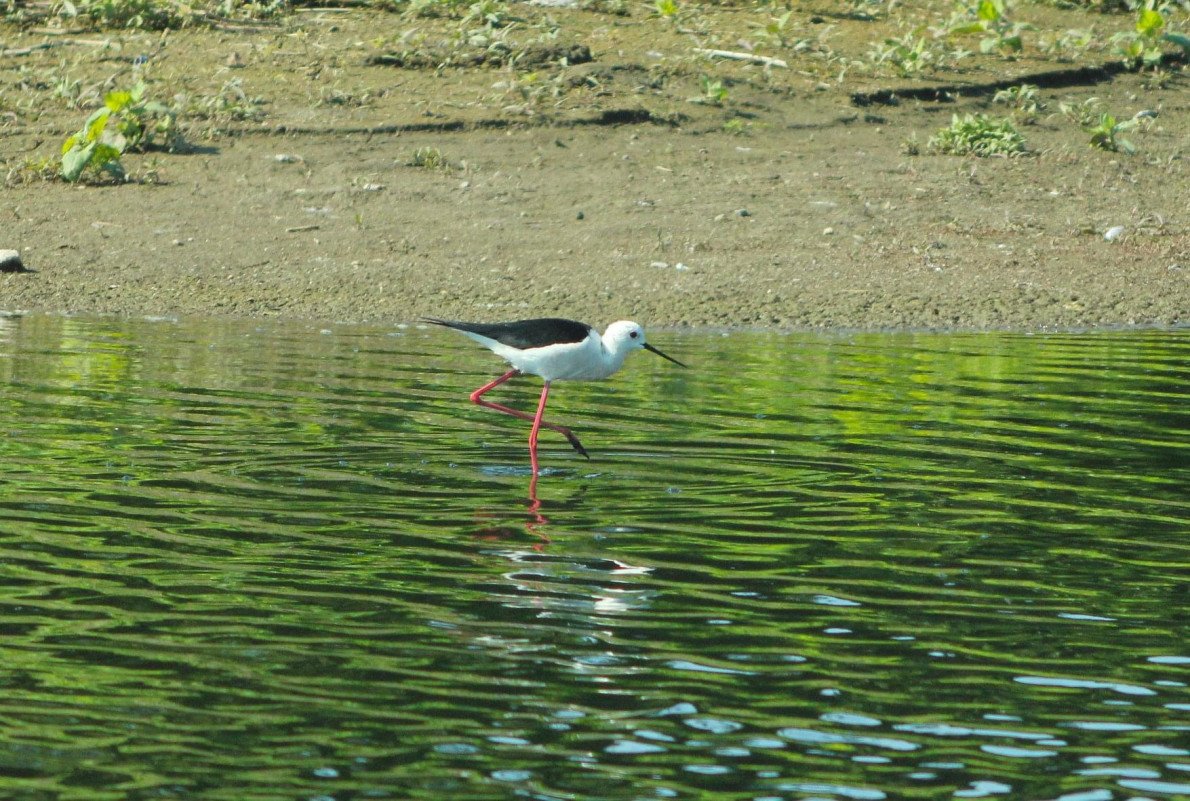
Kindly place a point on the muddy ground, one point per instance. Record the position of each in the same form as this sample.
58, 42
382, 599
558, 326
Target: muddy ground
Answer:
627, 185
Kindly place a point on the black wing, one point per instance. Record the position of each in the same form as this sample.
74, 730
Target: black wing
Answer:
524, 334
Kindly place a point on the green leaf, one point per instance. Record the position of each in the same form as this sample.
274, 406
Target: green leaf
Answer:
969, 28
71, 142
117, 100
75, 161
988, 11
1149, 21
1180, 39
105, 155
95, 124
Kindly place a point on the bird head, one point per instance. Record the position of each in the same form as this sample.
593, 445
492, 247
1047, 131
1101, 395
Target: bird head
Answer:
625, 336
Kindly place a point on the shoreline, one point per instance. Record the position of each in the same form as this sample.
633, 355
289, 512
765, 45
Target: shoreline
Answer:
692, 330
774, 204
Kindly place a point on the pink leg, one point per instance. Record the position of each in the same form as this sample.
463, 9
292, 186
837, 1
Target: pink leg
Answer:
477, 398
545, 393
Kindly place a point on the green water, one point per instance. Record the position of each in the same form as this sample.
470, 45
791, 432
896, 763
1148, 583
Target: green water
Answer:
244, 561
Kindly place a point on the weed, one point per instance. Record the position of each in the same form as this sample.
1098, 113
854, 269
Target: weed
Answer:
230, 104
617, 8
489, 13
666, 9
429, 158
989, 18
1142, 46
125, 122
436, 8
41, 168
1106, 134
144, 124
1023, 100
149, 14
68, 89
1069, 44
94, 148
1083, 114
333, 96
775, 29
978, 135
737, 126
911, 54
714, 93
157, 14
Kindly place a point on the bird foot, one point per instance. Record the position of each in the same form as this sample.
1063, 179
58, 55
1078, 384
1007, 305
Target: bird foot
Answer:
578, 446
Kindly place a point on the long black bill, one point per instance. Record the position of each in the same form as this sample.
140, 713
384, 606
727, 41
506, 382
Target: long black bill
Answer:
649, 347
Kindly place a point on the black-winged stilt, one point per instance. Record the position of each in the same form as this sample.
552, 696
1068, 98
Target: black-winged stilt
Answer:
555, 349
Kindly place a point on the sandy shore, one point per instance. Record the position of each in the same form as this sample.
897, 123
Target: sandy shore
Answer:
788, 206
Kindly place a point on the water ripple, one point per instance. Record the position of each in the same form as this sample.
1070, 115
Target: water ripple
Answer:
262, 561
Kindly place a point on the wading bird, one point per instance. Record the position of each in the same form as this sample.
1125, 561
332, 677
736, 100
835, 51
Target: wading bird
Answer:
557, 350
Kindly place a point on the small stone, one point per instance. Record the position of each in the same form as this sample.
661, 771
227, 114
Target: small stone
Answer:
580, 216
743, 213
827, 231
1113, 233
10, 262
287, 158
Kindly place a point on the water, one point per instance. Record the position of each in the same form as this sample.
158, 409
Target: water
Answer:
244, 561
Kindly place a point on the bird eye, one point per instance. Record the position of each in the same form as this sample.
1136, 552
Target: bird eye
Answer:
634, 334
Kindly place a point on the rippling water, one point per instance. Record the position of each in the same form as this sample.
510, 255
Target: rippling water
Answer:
244, 561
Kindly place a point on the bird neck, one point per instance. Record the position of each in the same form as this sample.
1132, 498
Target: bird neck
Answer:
613, 356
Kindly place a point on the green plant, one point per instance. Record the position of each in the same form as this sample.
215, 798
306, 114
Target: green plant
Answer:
489, 13
667, 9
989, 18
737, 126
230, 104
435, 8
1068, 44
978, 135
1106, 134
911, 53
1024, 101
159, 14
1084, 113
1142, 46
714, 93
429, 158
125, 122
150, 14
35, 168
774, 29
94, 147
144, 124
